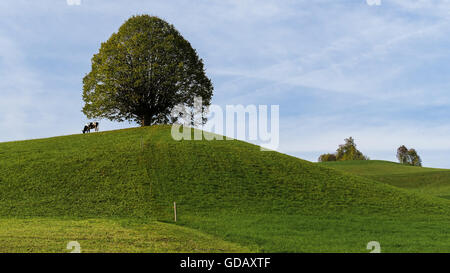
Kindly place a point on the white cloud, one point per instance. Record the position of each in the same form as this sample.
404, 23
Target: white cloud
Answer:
73, 2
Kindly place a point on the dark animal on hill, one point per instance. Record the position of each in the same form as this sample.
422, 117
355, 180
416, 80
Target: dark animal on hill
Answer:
92, 125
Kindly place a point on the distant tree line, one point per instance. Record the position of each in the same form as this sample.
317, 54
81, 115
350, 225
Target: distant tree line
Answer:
348, 151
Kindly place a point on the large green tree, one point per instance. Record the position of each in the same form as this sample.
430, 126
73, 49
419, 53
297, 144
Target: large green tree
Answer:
142, 72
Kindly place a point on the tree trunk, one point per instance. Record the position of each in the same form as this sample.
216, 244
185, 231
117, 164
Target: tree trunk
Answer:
146, 121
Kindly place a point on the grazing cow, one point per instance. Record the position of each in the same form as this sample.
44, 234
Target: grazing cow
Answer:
86, 129
95, 125
92, 125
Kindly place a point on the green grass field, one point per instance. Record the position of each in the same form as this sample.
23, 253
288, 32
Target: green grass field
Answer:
105, 235
435, 182
114, 192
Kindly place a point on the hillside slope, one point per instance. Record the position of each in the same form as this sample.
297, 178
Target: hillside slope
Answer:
264, 200
429, 181
112, 174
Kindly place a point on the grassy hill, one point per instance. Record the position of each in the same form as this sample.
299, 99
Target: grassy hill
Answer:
247, 200
429, 181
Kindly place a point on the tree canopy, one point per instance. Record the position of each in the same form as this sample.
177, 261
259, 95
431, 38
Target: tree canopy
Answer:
346, 151
408, 157
142, 72
327, 157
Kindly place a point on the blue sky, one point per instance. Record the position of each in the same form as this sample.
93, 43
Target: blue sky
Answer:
336, 68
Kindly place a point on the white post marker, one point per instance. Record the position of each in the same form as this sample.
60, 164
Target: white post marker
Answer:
175, 210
